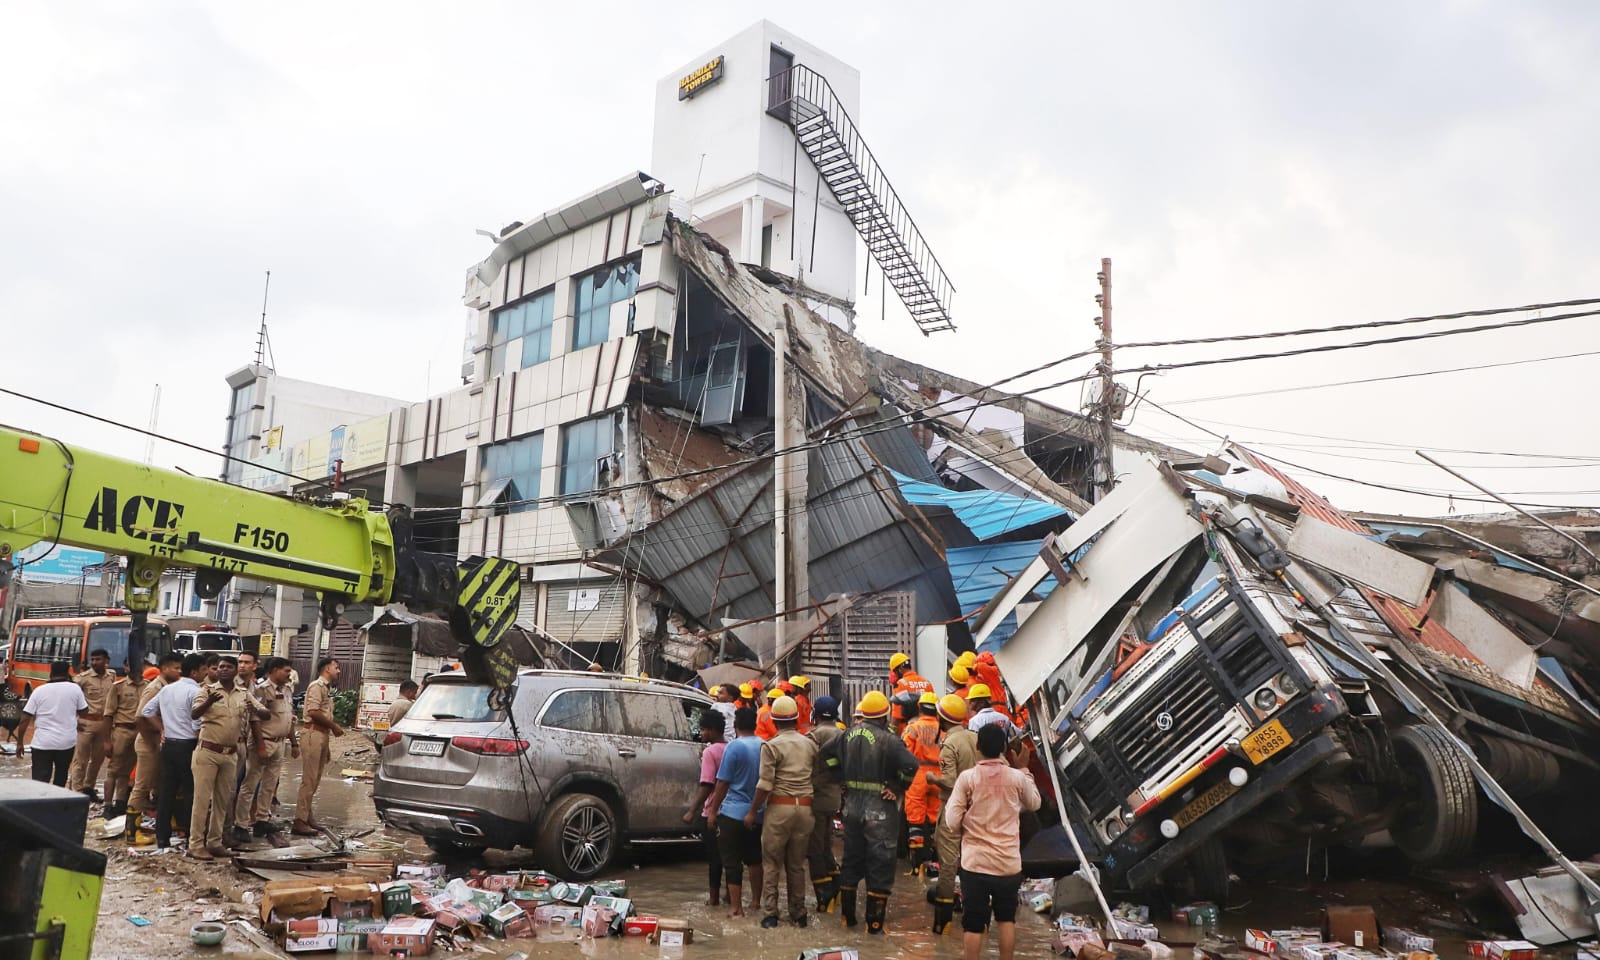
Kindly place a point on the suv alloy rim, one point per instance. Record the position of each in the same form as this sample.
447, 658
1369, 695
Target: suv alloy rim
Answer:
586, 840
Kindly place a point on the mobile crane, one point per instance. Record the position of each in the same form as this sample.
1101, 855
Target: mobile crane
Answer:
338, 547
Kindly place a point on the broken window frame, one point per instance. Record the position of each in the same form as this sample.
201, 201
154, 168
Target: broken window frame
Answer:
583, 444
518, 460
594, 294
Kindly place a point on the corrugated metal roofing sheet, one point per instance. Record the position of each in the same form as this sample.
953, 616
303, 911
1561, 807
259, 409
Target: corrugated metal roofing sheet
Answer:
987, 513
980, 572
714, 551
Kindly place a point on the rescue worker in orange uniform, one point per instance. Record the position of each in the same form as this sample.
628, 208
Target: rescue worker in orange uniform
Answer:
987, 673
799, 683
747, 697
921, 737
906, 686
960, 681
766, 728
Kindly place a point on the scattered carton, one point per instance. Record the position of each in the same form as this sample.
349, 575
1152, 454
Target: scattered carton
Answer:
287, 899
575, 894
672, 933
1403, 940
1261, 940
639, 926
419, 871
558, 921
396, 898
1356, 926
503, 915
830, 953
1510, 950
311, 936
411, 936
598, 921
353, 934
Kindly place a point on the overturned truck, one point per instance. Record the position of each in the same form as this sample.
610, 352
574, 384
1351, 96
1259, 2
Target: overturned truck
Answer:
1218, 665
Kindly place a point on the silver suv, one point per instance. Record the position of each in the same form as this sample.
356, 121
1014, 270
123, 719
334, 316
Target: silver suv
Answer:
579, 764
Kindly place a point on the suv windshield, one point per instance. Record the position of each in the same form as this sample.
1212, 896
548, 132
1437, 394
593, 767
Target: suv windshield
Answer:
453, 701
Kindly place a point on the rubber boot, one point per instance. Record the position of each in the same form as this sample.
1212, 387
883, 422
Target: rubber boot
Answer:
916, 852
944, 910
877, 910
824, 889
847, 905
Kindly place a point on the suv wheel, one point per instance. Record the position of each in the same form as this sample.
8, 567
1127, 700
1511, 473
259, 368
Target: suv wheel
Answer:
579, 836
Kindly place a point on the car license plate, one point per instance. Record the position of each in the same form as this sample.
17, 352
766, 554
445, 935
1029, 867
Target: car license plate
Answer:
1267, 741
1205, 803
427, 748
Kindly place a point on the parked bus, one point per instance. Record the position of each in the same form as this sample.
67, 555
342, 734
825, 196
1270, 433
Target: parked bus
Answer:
36, 643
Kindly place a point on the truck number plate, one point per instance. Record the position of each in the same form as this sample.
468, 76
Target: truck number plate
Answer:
1267, 741
427, 748
1205, 803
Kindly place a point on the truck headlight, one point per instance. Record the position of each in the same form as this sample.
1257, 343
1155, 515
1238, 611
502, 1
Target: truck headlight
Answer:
1265, 699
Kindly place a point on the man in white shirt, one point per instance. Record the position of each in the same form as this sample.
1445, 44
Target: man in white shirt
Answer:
52, 711
170, 715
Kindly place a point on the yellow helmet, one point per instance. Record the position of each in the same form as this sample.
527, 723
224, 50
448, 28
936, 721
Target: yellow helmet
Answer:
927, 697
774, 693
979, 691
960, 675
746, 691
967, 659
897, 660
874, 704
784, 708
800, 680
953, 709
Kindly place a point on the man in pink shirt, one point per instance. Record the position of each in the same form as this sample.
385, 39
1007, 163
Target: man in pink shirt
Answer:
711, 731
984, 809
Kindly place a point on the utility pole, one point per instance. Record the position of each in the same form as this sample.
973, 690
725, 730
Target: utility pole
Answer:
1108, 386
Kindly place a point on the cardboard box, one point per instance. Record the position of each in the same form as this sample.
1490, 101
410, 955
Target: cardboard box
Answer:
1261, 940
1403, 940
396, 898
622, 905
576, 894
347, 905
672, 933
639, 926
1196, 914
1123, 929
597, 921
499, 882
531, 897
419, 871
313, 935
1355, 926
410, 935
1511, 950
830, 953
284, 899
610, 888
558, 921
353, 934
499, 917
1073, 937
520, 928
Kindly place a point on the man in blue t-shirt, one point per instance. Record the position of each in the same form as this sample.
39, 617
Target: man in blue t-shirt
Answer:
740, 846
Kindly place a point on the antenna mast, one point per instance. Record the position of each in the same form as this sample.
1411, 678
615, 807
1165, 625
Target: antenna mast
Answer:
262, 344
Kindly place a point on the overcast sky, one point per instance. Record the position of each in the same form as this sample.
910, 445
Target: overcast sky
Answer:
1248, 166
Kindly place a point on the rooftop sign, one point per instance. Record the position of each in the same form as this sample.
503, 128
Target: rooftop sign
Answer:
701, 78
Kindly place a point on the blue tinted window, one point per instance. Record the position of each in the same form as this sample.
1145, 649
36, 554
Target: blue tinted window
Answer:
582, 445
520, 334
595, 293
517, 460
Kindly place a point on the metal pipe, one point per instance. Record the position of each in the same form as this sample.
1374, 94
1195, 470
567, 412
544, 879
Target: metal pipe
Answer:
1482, 489
780, 468
1085, 868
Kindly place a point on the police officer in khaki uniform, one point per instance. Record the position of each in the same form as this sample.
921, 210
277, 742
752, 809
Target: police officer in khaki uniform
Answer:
314, 752
94, 728
273, 741
119, 749
788, 761
223, 708
147, 750
958, 753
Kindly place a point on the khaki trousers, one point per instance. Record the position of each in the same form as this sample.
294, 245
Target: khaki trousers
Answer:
91, 752
785, 834
260, 784
313, 757
215, 775
146, 776
948, 844
122, 760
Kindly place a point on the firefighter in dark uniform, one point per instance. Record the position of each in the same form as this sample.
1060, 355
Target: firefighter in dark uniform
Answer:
876, 769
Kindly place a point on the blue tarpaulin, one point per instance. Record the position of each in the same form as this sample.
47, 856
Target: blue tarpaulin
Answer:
987, 513
980, 572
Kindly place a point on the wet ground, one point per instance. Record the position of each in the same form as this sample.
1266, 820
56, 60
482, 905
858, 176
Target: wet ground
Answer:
173, 893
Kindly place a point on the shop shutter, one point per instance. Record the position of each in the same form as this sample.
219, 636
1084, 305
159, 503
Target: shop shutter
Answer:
591, 611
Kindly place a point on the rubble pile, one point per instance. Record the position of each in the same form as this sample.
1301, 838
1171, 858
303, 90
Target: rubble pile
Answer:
419, 908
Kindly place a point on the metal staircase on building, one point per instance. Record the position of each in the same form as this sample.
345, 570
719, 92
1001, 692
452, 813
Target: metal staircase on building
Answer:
802, 98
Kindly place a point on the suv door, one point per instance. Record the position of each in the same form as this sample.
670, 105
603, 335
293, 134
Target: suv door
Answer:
660, 765
582, 735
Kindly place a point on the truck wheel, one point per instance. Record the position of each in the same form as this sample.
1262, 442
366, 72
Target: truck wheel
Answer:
579, 837
1438, 818
1208, 869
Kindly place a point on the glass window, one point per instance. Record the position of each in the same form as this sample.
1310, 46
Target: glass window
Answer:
453, 701
520, 334
587, 711
582, 445
194, 603
519, 461
595, 293
239, 432
655, 716
112, 638
692, 709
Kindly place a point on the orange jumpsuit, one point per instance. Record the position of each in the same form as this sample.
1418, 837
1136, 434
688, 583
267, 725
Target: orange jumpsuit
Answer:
989, 675
803, 723
921, 737
766, 729
911, 683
